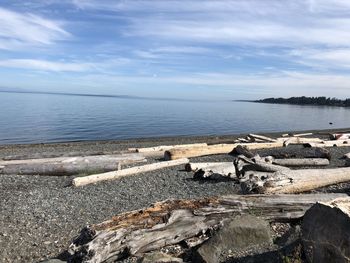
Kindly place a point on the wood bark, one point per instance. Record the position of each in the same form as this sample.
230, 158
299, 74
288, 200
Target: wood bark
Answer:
292, 181
69, 165
215, 149
170, 222
80, 181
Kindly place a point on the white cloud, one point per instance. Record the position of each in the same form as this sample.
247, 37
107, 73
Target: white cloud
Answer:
18, 29
44, 65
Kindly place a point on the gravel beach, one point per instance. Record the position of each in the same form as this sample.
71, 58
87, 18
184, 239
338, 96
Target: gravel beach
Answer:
41, 214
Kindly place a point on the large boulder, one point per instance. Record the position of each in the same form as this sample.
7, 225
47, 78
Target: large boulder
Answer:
326, 232
242, 232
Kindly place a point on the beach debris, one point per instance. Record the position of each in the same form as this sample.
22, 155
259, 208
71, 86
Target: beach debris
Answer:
242, 150
215, 149
159, 150
340, 136
159, 257
94, 178
216, 171
291, 162
300, 140
326, 231
261, 137
194, 167
69, 165
170, 222
336, 143
302, 134
291, 181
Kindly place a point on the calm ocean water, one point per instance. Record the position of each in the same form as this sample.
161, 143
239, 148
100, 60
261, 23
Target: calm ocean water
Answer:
38, 118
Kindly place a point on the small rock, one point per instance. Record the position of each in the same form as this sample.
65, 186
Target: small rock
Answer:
159, 257
240, 233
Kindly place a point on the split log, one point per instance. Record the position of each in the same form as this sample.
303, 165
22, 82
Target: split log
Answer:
193, 167
337, 143
170, 222
292, 181
326, 231
302, 162
261, 137
80, 181
69, 165
300, 140
216, 171
215, 149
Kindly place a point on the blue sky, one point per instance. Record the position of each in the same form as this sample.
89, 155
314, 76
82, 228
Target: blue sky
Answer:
239, 49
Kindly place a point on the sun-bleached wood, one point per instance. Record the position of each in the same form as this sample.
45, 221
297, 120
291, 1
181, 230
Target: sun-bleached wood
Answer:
167, 147
261, 137
215, 149
217, 171
302, 134
300, 140
193, 167
69, 165
80, 181
170, 222
335, 143
293, 181
301, 162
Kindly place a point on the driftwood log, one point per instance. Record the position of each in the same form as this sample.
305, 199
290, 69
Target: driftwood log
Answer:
291, 162
336, 143
69, 165
262, 138
159, 150
300, 140
292, 181
170, 222
216, 171
80, 181
194, 167
215, 149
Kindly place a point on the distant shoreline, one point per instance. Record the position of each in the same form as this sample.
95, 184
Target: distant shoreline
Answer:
309, 101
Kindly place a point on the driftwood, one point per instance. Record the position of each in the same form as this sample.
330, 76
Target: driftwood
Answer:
336, 143
215, 149
159, 150
170, 222
242, 150
302, 134
216, 171
326, 231
301, 162
292, 181
300, 140
69, 165
193, 167
80, 181
262, 138
340, 136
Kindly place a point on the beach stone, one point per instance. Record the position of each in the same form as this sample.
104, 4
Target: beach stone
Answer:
53, 260
241, 233
326, 232
159, 257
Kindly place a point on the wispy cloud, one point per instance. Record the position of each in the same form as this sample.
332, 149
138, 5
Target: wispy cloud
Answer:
18, 30
44, 65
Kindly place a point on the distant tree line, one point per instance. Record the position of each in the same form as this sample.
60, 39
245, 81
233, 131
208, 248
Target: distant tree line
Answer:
308, 101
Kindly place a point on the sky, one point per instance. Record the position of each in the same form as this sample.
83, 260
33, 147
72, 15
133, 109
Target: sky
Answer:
205, 49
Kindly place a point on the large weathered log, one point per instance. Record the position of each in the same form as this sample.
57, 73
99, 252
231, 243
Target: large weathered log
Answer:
215, 149
80, 181
170, 222
217, 171
69, 165
163, 148
261, 137
293, 181
300, 140
193, 167
340, 136
336, 143
301, 162
326, 232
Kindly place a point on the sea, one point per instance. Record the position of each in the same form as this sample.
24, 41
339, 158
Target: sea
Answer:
45, 118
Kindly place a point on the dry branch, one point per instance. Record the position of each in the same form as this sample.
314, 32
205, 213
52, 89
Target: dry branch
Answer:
80, 181
170, 222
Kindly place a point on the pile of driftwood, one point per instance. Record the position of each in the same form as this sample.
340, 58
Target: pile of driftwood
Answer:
173, 221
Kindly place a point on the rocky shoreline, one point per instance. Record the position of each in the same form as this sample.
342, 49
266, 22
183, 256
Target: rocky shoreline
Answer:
41, 214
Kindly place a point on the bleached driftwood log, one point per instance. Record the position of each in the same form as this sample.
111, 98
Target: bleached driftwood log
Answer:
170, 222
159, 150
193, 167
301, 162
80, 181
292, 181
261, 137
326, 231
300, 140
215, 149
302, 134
69, 165
340, 136
217, 171
336, 143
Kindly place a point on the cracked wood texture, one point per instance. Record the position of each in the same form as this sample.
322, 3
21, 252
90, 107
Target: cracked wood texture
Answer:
170, 222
